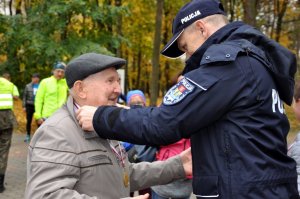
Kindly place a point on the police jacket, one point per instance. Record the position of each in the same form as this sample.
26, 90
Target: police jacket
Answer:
230, 104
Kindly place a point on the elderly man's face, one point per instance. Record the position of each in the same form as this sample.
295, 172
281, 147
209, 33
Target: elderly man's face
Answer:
102, 88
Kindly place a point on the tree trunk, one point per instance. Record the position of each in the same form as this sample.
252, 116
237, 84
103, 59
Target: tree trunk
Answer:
281, 13
139, 67
229, 8
250, 12
23, 10
11, 7
118, 3
155, 55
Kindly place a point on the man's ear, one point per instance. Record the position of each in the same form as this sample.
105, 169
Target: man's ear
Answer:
201, 27
79, 89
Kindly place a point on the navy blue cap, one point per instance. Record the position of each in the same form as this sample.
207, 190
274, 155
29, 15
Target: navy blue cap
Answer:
188, 14
88, 64
59, 65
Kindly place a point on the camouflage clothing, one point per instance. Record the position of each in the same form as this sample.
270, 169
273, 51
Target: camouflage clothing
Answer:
6, 128
5, 141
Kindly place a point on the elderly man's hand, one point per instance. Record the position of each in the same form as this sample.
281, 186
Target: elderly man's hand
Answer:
85, 116
186, 158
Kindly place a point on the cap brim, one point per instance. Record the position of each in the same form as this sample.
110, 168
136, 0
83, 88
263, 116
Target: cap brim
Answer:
171, 49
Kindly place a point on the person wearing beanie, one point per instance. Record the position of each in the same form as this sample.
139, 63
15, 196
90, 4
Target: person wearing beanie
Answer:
135, 97
230, 102
51, 94
66, 162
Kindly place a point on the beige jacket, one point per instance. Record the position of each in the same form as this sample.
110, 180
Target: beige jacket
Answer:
66, 162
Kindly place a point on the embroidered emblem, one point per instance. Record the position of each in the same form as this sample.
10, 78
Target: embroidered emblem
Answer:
178, 92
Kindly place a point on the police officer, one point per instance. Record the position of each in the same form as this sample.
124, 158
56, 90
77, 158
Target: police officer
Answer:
7, 122
229, 102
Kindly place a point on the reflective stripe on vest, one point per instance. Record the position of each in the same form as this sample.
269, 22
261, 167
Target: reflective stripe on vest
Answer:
6, 101
6, 97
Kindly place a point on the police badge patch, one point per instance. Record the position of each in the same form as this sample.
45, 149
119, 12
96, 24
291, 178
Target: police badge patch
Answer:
178, 92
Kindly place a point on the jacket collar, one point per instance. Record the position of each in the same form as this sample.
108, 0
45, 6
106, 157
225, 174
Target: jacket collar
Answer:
71, 110
219, 36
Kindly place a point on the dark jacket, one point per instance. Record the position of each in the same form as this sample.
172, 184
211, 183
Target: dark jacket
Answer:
229, 103
28, 96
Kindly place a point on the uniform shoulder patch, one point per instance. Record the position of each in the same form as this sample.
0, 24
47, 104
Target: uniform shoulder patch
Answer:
178, 92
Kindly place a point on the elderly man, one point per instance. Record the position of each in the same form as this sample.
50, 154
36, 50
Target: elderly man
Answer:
66, 162
230, 102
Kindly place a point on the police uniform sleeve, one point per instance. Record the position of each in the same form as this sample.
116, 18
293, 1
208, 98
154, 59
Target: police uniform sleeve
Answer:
196, 102
176, 118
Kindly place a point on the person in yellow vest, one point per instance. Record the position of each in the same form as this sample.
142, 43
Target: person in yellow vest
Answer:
8, 92
16, 94
51, 94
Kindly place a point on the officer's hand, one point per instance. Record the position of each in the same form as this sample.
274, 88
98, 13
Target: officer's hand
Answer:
145, 196
85, 116
186, 158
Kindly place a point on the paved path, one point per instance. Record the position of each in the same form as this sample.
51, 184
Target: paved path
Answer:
15, 179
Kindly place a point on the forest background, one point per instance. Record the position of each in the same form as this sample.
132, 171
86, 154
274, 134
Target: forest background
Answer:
34, 34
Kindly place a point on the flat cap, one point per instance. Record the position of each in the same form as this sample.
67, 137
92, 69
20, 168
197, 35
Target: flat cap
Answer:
88, 64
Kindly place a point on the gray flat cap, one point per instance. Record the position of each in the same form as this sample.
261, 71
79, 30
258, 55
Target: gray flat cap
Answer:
88, 64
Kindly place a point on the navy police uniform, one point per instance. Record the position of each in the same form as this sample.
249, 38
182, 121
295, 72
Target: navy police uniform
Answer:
230, 104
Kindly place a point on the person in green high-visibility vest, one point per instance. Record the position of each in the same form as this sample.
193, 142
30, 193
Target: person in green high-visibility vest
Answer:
51, 94
8, 91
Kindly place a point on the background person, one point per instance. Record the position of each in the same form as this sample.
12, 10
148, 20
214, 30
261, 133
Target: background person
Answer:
66, 162
229, 102
7, 123
294, 148
138, 153
178, 189
51, 94
28, 102
16, 94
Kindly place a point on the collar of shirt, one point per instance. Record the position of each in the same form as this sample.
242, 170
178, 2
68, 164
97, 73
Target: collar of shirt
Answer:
86, 135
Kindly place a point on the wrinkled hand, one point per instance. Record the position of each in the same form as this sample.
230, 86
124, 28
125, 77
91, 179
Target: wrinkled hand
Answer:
145, 196
186, 158
85, 116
